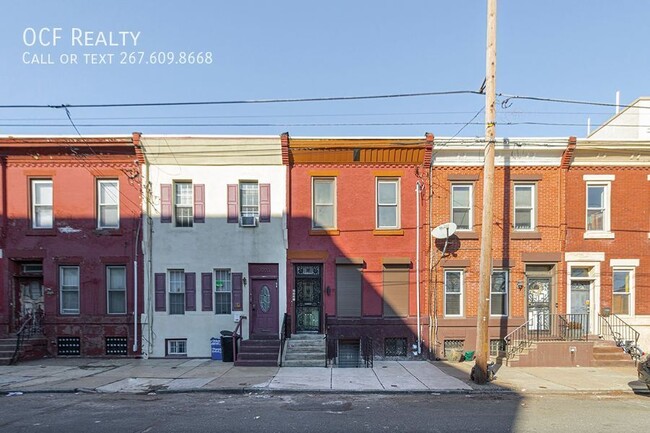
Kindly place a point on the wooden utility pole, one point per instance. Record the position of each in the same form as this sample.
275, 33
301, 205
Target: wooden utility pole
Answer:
480, 372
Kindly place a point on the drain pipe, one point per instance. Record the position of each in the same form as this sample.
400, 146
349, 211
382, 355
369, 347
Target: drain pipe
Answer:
417, 260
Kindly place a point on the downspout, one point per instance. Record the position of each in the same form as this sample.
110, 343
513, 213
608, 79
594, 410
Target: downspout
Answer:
135, 288
417, 260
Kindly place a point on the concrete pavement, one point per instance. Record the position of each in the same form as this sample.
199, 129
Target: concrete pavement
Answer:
202, 375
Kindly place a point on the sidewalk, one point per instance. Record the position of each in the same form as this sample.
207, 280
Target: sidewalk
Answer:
202, 375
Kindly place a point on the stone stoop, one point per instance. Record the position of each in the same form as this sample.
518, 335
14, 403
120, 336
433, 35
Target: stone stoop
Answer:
305, 350
516, 360
258, 353
34, 348
608, 354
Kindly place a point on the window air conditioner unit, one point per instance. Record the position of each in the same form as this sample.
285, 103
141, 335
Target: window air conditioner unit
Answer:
248, 221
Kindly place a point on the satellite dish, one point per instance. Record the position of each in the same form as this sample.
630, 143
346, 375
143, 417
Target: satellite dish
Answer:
443, 231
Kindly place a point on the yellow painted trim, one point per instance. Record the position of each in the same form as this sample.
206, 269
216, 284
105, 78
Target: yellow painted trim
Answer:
307, 254
324, 173
388, 173
398, 232
330, 232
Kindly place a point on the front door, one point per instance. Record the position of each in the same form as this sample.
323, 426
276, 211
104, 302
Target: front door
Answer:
264, 308
539, 303
308, 298
580, 301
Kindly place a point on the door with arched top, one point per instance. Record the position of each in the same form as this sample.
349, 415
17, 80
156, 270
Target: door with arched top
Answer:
264, 308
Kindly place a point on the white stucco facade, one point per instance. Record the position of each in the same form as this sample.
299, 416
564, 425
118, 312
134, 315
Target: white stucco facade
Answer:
215, 244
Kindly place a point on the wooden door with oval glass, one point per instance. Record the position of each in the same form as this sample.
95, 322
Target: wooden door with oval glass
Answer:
264, 308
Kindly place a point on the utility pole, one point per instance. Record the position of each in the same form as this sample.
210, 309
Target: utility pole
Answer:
479, 372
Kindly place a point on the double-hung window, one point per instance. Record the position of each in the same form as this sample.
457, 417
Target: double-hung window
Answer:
622, 289
116, 289
524, 208
499, 293
249, 203
41, 198
388, 214
598, 206
176, 291
108, 212
69, 289
223, 291
323, 203
183, 204
461, 205
453, 293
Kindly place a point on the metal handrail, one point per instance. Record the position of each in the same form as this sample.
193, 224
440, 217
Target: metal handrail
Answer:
615, 328
547, 327
23, 333
283, 336
235, 337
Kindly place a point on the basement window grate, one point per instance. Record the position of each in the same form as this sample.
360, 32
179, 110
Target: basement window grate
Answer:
68, 346
395, 347
451, 345
349, 354
116, 346
497, 346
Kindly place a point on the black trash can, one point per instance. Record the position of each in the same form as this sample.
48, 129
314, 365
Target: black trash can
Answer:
226, 346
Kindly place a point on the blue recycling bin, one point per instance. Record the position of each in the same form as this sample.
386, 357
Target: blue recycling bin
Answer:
215, 349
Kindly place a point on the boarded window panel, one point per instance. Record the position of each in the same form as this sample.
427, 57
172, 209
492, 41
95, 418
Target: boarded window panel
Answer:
396, 291
348, 291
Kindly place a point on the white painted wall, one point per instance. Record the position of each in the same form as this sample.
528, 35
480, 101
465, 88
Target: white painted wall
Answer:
211, 245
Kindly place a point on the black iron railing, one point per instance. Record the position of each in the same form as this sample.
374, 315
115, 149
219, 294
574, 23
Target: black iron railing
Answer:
32, 324
367, 352
547, 327
285, 333
236, 336
614, 328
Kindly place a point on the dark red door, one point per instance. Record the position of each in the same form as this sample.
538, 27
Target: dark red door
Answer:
264, 308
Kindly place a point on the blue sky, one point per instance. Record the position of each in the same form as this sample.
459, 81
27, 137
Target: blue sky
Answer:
578, 50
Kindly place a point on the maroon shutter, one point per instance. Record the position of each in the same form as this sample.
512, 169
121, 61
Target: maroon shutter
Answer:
161, 294
237, 292
206, 291
233, 208
165, 203
199, 203
190, 291
265, 203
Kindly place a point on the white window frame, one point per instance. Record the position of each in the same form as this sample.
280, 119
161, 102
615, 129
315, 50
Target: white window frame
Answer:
183, 204
604, 181
102, 224
314, 204
226, 289
395, 205
176, 288
176, 343
36, 206
628, 265
470, 208
505, 294
111, 290
460, 294
532, 209
249, 210
69, 289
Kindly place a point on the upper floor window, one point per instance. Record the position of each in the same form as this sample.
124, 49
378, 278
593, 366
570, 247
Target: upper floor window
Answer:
461, 205
324, 203
249, 203
388, 203
176, 291
598, 206
41, 198
108, 212
524, 207
183, 204
69, 289
499, 293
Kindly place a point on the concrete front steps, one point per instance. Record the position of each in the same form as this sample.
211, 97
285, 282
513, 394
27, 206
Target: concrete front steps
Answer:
305, 350
34, 348
258, 353
608, 354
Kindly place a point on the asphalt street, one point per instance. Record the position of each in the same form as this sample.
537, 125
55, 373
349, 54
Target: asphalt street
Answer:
269, 412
